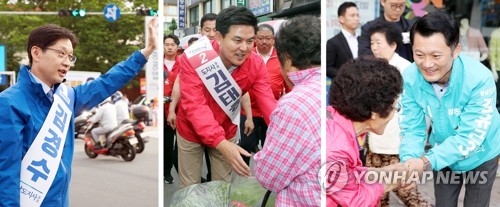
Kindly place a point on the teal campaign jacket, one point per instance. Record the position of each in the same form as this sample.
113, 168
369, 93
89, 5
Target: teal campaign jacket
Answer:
465, 122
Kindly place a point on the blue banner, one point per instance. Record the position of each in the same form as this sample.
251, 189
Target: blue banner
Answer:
182, 14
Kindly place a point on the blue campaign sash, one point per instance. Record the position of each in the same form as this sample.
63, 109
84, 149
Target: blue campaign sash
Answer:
41, 162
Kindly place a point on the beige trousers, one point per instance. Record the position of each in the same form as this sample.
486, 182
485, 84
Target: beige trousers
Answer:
191, 162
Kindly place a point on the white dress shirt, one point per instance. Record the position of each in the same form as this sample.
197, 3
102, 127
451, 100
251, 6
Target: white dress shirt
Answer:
352, 41
45, 87
266, 56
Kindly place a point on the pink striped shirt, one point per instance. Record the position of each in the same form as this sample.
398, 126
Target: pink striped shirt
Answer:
290, 160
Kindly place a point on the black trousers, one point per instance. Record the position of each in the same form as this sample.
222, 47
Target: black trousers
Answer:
170, 156
476, 193
259, 133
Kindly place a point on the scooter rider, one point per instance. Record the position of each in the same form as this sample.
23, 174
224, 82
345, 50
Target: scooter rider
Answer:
121, 106
106, 116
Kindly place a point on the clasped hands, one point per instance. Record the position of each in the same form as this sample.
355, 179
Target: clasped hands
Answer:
404, 175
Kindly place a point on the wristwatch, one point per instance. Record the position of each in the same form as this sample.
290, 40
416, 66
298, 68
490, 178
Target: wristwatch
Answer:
427, 164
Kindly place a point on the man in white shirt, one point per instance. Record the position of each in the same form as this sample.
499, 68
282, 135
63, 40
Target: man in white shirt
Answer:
344, 46
121, 105
106, 116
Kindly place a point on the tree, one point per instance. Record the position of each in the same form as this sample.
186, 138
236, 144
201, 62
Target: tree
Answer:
173, 26
102, 44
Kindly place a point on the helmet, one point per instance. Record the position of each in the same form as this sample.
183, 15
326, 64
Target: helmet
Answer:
107, 100
116, 96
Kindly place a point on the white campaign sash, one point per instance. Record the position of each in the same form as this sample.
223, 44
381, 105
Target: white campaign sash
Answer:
41, 162
216, 78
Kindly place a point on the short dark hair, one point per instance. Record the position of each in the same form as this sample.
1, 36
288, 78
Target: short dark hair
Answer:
235, 16
48, 35
193, 39
207, 17
391, 32
344, 6
299, 40
437, 22
363, 86
172, 36
266, 27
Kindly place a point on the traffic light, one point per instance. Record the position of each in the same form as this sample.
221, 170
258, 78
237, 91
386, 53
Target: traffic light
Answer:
72, 12
79, 12
146, 12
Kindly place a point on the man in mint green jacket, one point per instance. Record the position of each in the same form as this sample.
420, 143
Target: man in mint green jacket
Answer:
458, 95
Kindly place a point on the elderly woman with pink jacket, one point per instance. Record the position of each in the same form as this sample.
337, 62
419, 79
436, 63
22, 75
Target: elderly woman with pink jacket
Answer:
363, 98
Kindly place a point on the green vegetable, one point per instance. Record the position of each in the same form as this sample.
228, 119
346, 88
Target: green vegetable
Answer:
243, 192
215, 193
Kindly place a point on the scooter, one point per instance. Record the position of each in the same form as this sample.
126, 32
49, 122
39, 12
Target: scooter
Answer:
138, 126
81, 123
123, 142
141, 115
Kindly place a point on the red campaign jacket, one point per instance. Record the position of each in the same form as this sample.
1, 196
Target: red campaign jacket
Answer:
275, 79
168, 84
199, 117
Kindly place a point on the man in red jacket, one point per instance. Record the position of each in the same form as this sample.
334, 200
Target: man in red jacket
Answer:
207, 25
201, 122
170, 71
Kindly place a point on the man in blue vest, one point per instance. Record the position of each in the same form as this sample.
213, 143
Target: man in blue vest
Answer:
26, 112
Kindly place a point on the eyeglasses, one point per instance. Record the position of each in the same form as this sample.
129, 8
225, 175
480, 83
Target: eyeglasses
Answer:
63, 54
397, 108
398, 6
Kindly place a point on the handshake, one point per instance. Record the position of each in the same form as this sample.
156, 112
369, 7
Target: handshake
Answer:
400, 175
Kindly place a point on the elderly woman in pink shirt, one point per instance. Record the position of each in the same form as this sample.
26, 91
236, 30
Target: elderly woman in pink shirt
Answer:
363, 98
